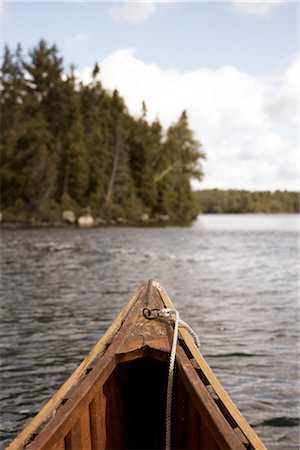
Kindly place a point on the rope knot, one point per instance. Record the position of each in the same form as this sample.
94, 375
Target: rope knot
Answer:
166, 312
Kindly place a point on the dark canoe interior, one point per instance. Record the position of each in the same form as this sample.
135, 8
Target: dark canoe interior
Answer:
117, 400
135, 412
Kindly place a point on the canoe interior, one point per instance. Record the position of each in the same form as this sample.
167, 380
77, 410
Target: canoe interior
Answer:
116, 399
134, 414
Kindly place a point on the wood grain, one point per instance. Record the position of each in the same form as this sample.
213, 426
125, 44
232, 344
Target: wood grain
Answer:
97, 420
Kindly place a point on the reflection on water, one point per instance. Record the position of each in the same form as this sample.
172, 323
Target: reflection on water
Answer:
233, 278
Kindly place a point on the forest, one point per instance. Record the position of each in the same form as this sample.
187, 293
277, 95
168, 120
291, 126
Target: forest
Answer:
66, 145
214, 201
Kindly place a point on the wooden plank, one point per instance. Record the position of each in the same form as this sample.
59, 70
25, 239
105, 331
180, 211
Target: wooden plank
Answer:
116, 436
205, 405
98, 420
207, 441
179, 420
60, 445
86, 443
193, 424
241, 436
219, 390
73, 438
50, 408
67, 415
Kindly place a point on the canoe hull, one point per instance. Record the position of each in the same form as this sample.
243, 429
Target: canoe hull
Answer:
117, 397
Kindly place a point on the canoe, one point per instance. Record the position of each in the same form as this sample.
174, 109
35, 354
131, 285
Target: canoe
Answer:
127, 393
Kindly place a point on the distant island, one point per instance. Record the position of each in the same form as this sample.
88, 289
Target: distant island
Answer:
217, 201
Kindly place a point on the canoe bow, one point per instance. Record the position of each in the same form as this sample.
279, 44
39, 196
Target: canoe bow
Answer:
123, 380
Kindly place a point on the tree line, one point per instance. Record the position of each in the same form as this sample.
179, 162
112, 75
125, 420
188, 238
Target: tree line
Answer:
67, 145
241, 201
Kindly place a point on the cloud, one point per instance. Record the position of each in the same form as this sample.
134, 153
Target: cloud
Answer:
133, 12
281, 106
256, 7
77, 38
252, 159
247, 124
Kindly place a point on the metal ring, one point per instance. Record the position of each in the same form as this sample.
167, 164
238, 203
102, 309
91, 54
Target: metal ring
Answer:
148, 313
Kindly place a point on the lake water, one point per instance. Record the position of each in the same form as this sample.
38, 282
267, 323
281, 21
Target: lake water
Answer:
233, 278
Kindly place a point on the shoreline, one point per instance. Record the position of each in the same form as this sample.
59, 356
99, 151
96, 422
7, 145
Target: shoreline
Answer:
151, 223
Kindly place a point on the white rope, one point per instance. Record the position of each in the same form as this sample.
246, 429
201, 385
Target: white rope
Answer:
170, 380
167, 314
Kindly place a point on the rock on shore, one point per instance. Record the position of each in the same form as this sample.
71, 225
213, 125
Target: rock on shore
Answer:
85, 221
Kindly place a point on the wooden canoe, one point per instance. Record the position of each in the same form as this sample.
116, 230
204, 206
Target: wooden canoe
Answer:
116, 398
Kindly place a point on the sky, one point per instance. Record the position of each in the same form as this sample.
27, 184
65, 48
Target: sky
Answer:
232, 65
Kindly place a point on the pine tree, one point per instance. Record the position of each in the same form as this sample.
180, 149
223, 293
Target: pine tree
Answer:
45, 82
185, 149
45, 103
145, 153
44, 75
12, 115
181, 163
73, 176
94, 102
119, 174
34, 164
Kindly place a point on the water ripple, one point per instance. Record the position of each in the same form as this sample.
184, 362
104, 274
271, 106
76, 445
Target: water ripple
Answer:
234, 279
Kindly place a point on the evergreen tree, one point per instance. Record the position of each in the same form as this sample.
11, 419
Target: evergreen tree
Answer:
45, 82
12, 114
74, 168
95, 104
184, 149
180, 164
44, 74
35, 180
46, 103
145, 152
119, 182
